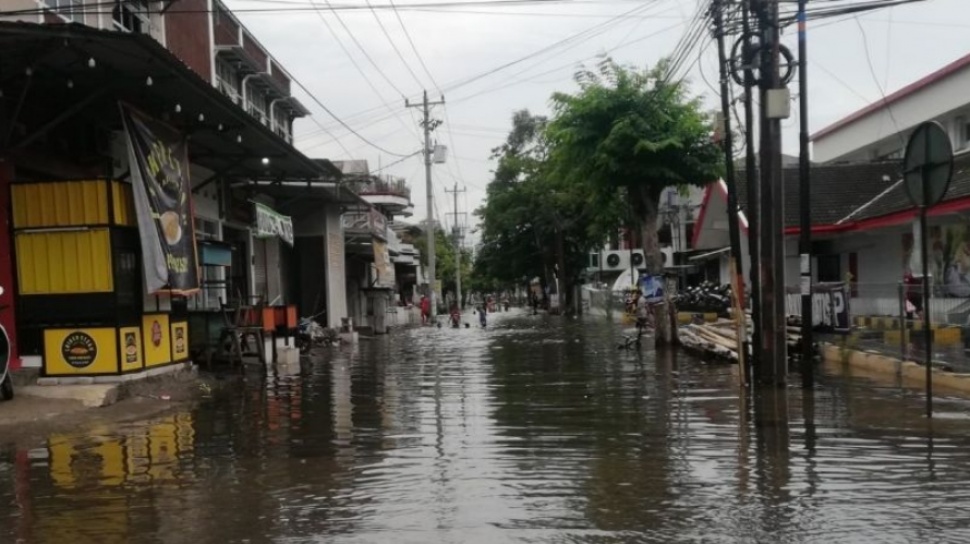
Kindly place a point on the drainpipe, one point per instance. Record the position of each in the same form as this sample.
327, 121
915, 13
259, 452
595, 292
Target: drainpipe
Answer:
245, 99
272, 112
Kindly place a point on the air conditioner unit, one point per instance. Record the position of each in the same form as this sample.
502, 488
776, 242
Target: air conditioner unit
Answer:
638, 260
616, 260
668, 253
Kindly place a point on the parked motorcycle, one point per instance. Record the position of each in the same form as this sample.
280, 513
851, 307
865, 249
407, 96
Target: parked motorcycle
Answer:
6, 382
310, 334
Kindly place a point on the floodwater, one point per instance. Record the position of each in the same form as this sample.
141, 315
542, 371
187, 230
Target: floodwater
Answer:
534, 430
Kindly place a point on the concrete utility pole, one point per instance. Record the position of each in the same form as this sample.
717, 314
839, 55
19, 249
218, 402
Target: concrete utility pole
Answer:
428, 125
805, 198
458, 237
753, 211
774, 363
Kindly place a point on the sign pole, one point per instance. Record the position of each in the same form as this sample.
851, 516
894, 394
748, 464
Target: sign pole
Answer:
927, 330
927, 172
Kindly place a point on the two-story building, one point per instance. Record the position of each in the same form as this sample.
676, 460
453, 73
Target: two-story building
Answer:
71, 257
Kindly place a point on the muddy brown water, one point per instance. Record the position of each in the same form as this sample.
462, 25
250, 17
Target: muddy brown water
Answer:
534, 430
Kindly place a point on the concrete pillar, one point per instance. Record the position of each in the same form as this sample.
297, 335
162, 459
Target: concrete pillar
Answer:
335, 266
380, 313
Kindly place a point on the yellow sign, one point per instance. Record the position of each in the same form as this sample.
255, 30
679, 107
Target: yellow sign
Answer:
156, 337
78, 352
180, 341
129, 346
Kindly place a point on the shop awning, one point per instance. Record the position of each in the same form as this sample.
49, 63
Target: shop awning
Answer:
73, 73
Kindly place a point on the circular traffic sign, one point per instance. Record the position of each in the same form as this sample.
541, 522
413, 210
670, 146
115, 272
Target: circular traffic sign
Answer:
928, 164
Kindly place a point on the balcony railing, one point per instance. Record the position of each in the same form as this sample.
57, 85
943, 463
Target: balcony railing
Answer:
376, 186
229, 90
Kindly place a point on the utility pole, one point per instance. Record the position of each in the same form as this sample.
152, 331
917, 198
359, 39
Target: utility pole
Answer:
774, 364
753, 211
805, 197
428, 125
735, 266
458, 236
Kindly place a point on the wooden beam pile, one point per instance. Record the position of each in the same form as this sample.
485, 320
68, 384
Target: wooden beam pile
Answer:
719, 339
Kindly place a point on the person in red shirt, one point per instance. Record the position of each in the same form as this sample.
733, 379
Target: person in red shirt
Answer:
425, 309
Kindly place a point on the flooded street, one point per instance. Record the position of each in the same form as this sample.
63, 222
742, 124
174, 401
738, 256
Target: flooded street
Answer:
535, 430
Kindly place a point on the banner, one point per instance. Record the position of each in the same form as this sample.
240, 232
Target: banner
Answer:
159, 163
830, 307
384, 266
271, 223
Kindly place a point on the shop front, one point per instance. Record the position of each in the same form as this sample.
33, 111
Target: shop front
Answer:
103, 256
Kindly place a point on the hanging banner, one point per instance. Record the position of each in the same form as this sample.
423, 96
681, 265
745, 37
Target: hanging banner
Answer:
271, 223
159, 162
830, 307
383, 264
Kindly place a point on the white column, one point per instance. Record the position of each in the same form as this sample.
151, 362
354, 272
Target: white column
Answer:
334, 259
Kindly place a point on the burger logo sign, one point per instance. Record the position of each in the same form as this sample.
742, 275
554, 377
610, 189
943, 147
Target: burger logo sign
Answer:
79, 350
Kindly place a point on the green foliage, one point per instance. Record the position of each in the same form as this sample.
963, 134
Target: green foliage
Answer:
602, 161
445, 258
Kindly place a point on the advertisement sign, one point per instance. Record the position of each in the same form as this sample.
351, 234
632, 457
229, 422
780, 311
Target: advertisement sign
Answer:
270, 223
70, 352
383, 265
158, 156
652, 288
830, 308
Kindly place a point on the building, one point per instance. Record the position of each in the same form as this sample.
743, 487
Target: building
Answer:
381, 269
880, 130
73, 254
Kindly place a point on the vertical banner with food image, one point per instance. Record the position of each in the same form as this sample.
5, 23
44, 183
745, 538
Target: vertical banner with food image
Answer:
159, 162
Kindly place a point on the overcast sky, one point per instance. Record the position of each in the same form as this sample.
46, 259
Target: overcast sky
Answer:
330, 56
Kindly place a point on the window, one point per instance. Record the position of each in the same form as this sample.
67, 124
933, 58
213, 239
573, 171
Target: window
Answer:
964, 128
131, 15
67, 9
213, 280
257, 105
228, 80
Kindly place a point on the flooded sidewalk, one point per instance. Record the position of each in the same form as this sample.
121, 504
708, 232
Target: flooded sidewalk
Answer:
534, 429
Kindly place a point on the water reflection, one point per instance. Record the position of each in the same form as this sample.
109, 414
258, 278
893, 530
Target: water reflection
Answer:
535, 430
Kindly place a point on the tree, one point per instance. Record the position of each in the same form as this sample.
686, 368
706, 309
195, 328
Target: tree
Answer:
535, 223
445, 261
636, 133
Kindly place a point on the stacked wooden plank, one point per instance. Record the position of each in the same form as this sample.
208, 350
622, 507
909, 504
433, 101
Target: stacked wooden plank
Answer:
720, 339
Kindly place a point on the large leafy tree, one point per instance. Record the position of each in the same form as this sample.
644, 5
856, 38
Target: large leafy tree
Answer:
536, 223
635, 133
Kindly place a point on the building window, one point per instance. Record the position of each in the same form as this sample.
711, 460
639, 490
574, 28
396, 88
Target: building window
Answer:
257, 105
131, 15
67, 9
213, 280
964, 135
227, 80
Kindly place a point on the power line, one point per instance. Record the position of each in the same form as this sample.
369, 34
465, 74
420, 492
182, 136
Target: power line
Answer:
394, 45
341, 121
875, 78
413, 47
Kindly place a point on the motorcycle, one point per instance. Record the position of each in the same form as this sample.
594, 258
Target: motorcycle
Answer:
6, 382
309, 335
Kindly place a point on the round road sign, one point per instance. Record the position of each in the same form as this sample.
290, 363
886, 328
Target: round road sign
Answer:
928, 164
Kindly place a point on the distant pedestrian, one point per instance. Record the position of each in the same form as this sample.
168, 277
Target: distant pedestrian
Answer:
425, 309
535, 304
482, 316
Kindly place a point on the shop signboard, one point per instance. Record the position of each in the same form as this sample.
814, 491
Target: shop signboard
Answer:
158, 155
270, 223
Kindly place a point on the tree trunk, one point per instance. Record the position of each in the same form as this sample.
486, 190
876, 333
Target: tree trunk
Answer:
665, 314
561, 273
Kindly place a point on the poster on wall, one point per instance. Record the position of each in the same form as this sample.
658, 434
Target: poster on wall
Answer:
949, 257
158, 155
383, 265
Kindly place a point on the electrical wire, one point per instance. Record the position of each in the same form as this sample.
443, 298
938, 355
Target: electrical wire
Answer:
394, 45
875, 78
